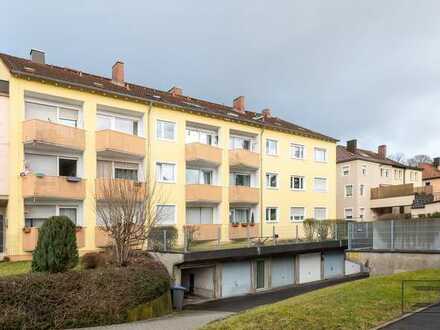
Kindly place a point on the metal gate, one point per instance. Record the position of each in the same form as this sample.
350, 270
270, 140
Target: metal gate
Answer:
2, 234
360, 235
333, 264
236, 278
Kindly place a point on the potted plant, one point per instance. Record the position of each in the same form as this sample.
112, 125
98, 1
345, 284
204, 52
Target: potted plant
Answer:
235, 224
252, 223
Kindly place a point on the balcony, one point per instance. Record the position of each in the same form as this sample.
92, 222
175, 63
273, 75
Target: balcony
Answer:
204, 232
244, 195
399, 190
199, 154
244, 159
51, 136
30, 238
102, 238
117, 144
203, 193
243, 231
106, 188
53, 187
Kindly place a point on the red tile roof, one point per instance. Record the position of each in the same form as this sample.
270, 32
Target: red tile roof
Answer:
27, 69
343, 155
429, 171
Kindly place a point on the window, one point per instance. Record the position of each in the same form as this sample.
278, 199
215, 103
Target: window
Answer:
242, 142
348, 214
364, 170
384, 172
297, 213
297, 182
271, 180
198, 176
116, 123
271, 147
361, 190
241, 215
320, 213
349, 190
49, 111
68, 117
117, 170
166, 214
196, 135
320, 184
396, 174
166, 130
126, 173
320, 155
70, 212
361, 213
345, 170
297, 151
67, 167
166, 172
199, 215
241, 179
271, 214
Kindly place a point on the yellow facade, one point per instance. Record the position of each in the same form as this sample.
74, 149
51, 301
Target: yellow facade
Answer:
170, 151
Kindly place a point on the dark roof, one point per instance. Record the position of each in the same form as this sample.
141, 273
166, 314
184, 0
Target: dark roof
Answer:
24, 68
343, 155
429, 171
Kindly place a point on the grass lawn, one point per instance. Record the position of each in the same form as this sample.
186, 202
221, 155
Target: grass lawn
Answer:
14, 268
361, 304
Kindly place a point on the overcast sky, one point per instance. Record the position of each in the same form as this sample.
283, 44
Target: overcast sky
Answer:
351, 69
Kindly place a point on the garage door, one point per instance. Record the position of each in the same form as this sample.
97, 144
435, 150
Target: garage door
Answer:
236, 278
309, 267
282, 271
333, 264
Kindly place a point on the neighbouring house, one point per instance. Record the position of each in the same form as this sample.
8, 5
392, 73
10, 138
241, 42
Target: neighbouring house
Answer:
231, 172
371, 186
431, 179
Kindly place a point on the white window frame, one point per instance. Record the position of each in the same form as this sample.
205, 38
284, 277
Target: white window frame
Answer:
213, 133
345, 213
325, 153
320, 207
292, 151
168, 163
326, 184
277, 212
362, 188
58, 105
277, 180
175, 215
345, 167
252, 141
162, 138
276, 147
345, 191
292, 187
113, 117
291, 216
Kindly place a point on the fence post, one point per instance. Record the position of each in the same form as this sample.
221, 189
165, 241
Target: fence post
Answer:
185, 239
335, 228
247, 236
165, 247
273, 235
349, 236
392, 234
219, 235
296, 234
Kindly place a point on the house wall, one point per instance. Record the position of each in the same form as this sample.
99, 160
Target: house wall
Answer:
435, 183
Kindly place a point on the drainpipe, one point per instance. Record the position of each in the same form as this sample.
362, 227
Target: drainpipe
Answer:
261, 181
148, 136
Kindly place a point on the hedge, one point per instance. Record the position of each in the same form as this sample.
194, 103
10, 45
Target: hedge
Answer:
81, 298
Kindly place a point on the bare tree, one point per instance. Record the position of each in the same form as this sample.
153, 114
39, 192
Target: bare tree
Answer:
418, 159
127, 212
399, 157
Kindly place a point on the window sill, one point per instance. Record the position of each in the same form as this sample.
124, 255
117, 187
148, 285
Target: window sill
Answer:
170, 182
297, 190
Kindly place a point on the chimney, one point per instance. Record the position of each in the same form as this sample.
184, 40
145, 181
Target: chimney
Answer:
436, 162
175, 91
118, 72
382, 151
352, 146
239, 104
38, 56
267, 113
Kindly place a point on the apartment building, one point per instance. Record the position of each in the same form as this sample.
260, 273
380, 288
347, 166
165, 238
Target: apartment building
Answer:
372, 186
63, 131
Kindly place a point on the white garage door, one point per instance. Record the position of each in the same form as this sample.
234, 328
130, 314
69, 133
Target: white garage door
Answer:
282, 271
236, 278
309, 267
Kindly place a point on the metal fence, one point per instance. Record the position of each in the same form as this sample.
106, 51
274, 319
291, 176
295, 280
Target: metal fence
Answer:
405, 234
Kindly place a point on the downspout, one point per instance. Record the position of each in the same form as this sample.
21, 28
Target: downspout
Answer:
148, 135
261, 181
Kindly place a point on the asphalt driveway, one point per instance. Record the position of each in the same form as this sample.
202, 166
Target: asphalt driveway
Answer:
428, 319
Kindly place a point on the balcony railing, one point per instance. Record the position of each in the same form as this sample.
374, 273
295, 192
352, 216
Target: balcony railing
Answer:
37, 131
239, 231
203, 193
30, 238
244, 195
106, 188
399, 191
239, 158
102, 238
53, 187
203, 154
204, 232
109, 142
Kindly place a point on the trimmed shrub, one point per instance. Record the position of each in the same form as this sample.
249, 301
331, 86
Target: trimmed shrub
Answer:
156, 238
56, 249
80, 298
